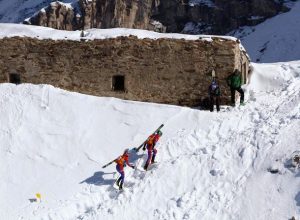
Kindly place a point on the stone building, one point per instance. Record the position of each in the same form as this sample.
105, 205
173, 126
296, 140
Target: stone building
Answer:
167, 69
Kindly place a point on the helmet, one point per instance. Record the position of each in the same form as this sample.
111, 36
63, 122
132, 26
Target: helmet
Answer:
159, 133
126, 151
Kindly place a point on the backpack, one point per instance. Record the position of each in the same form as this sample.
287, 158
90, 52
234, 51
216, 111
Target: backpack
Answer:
214, 88
120, 160
151, 140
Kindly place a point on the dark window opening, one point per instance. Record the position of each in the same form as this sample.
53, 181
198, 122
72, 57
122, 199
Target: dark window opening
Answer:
118, 83
15, 78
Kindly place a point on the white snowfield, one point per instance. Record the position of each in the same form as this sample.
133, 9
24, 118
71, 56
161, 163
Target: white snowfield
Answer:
210, 165
20, 30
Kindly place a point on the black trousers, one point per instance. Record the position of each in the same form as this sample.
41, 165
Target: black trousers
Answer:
212, 100
240, 90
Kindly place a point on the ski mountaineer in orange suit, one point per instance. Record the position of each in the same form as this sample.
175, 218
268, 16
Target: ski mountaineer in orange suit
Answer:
150, 144
121, 163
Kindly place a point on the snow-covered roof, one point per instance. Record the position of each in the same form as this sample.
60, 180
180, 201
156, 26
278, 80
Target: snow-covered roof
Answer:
13, 30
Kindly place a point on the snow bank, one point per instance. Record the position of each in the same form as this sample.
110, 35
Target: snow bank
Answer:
12, 30
270, 77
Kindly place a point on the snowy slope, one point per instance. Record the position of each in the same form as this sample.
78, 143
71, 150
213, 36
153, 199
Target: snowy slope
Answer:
211, 165
275, 40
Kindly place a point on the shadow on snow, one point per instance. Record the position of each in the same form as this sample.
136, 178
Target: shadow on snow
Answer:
99, 179
297, 198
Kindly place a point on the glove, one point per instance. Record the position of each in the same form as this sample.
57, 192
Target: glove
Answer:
133, 167
144, 148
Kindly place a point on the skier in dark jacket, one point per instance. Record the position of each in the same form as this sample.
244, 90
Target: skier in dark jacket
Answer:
234, 81
214, 94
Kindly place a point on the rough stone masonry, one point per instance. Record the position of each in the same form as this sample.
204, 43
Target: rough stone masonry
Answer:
153, 70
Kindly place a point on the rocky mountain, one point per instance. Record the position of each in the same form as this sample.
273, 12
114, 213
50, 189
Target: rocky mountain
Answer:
185, 16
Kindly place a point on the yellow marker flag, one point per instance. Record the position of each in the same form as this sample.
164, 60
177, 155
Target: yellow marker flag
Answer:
38, 195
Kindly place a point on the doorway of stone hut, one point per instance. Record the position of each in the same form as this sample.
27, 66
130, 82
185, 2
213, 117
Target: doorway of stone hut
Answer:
118, 83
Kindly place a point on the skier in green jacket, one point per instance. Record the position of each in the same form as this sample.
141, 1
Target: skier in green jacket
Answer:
234, 81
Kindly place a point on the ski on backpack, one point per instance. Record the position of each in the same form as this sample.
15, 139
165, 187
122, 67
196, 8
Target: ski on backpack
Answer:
139, 147
109, 163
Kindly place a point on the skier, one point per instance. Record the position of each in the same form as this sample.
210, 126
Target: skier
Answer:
121, 163
150, 144
214, 94
234, 81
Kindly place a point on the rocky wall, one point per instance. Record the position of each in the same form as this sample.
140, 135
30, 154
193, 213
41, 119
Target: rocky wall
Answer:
163, 71
216, 17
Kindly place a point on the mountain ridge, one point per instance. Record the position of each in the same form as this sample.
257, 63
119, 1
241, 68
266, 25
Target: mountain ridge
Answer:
196, 17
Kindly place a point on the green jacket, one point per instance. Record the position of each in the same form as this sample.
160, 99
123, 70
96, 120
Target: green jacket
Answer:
234, 81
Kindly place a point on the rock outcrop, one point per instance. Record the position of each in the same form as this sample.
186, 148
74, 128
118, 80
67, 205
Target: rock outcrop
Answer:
88, 14
57, 15
116, 13
218, 17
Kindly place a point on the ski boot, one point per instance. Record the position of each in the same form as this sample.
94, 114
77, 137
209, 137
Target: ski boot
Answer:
152, 160
121, 186
118, 181
146, 166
